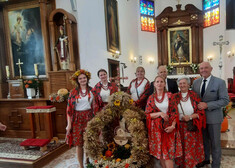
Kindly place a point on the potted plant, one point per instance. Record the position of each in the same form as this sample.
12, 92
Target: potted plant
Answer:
31, 86
226, 109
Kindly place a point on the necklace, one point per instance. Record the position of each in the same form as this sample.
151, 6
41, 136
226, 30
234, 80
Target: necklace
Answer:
161, 100
184, 99
105, 87
136, 83
83, 94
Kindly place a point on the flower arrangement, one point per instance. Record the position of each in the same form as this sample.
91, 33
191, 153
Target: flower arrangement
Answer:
226, 109
194, 67
74, 77
60, 96
32, 83
134, 153
169, 68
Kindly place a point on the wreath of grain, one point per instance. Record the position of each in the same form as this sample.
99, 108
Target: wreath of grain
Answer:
120, 104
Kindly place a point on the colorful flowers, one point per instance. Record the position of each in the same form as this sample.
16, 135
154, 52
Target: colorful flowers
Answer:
226, 109
32, 83
74, 77
131, 101
117, 103
60, 96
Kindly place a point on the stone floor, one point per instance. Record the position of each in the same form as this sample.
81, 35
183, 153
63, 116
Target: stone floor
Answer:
68, 159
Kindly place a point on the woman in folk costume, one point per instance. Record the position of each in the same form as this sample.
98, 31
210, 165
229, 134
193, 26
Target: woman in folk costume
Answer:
184, 109
103, 90
139, 88
79, 111
164, 143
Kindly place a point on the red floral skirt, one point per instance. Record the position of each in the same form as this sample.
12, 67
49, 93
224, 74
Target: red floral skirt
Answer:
79, 124
162, 144
192, 144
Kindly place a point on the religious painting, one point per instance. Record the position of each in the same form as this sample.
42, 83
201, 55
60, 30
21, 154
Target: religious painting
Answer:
26, 40
112, 26
179, 46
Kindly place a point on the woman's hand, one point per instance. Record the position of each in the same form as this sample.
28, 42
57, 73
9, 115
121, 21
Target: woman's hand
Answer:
186, 118
164, 116
68, 129
170, 128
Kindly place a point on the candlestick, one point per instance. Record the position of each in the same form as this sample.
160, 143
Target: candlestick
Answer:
36, 69
7, 72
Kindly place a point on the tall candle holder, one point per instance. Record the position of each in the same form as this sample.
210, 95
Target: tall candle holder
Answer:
8, 95
38, 89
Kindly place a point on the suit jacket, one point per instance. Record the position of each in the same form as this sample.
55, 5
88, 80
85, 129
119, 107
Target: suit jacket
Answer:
172, 86
216, 97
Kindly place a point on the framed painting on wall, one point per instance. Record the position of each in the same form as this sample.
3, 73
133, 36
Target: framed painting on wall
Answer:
25, 39
112, 26
179, 46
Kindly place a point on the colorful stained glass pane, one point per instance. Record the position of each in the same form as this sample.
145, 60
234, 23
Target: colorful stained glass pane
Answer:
215, 2
143, 7
151, 26
150, 8
206, 4
144, 25
215, 16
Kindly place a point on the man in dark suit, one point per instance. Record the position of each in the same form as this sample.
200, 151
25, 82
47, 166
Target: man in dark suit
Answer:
171, 85
214, 96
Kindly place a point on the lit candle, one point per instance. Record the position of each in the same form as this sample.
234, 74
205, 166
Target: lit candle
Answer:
36, 69
7, 71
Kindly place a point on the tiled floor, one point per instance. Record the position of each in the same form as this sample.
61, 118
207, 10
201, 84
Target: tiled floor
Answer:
68, 159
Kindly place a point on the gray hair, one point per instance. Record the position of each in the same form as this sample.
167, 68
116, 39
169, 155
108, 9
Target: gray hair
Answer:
183, 77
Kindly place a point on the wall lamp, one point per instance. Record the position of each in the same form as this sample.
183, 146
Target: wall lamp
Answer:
230, 54
133, 60
116, 54
151, 60
209, 58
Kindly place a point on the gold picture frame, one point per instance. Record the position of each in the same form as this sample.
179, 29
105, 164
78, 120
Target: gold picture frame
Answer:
26, 38
112, 26
179, 46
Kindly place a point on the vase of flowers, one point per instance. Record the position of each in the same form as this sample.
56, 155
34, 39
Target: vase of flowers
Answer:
31, 86
169, 69
226, 109
31, 92
194, 67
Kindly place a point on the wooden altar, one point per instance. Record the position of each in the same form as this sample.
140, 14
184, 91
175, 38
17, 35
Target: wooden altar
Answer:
190, 17
13, 115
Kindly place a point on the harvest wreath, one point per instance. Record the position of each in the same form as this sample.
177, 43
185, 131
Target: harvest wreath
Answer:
105, 148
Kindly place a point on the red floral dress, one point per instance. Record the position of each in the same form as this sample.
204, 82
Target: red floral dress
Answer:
161, 144
98, 104
79, 119
192, 142
141, 102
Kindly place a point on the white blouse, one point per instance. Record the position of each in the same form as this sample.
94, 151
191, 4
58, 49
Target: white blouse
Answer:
83, 103
187, 107
104, 95
163, 106
139, 89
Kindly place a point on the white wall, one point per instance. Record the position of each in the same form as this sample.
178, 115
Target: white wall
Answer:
92, 35
134, 42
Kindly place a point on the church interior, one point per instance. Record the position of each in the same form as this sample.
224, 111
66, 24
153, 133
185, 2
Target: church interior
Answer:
43, 42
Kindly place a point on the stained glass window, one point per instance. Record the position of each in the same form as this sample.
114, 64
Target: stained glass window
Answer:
147, 15
211, 12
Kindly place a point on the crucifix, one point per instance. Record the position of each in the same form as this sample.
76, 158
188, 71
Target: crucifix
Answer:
117, 79
20, 71
220, 44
